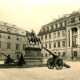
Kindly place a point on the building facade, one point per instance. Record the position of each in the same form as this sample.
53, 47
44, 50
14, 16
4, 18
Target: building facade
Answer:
12, 40
62, 36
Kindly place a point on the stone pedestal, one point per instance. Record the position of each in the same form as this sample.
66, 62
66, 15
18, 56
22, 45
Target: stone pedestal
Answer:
33, 55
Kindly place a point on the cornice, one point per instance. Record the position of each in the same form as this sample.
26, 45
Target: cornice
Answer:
12, 33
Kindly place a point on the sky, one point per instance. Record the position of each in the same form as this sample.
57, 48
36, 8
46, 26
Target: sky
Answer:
33, 14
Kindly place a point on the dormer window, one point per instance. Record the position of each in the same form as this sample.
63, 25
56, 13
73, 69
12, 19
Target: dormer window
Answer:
54, 26
73, 20
63, 24
43, 29
49, 27
58, 25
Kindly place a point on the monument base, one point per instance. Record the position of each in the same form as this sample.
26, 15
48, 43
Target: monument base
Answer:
33, 56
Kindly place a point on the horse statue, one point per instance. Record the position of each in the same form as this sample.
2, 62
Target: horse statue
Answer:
33, 38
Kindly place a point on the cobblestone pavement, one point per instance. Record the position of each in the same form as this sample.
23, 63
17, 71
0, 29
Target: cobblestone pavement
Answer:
41, 73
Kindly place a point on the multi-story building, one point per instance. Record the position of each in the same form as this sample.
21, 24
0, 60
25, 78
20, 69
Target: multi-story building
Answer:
12, 40
62, 36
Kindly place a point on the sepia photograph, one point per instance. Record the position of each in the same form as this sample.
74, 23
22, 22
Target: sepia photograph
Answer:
39, 39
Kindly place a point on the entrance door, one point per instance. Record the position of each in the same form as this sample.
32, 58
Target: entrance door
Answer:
75, 54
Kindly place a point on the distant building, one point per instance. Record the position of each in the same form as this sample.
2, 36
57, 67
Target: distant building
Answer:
62, 36
12, 40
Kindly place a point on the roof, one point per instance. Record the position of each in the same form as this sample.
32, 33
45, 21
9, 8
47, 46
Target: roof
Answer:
66, 17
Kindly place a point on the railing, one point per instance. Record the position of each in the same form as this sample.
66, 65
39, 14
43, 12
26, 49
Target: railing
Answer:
74, 45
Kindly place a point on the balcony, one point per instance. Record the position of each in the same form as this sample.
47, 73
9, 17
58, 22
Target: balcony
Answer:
74, 45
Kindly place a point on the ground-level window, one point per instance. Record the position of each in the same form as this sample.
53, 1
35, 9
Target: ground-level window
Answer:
75, 53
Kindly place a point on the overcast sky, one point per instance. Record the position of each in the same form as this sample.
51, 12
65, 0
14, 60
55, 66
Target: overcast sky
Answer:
32, 14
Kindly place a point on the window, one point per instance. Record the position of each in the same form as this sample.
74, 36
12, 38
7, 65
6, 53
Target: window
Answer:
73, 20
49, 28
60, 24
63, 43
65, 23
75, 40
17, 38
0, 36
43, 29
54, 44
8, 37
42, 37
17, 46
46, 45
63, 33
49, 45
54, 34
49, 36
75, 53
8, 45
56, 25
58, 53
46, 36
46, 55
58, 44
58, 34
42, 55
63, 54
0, 44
